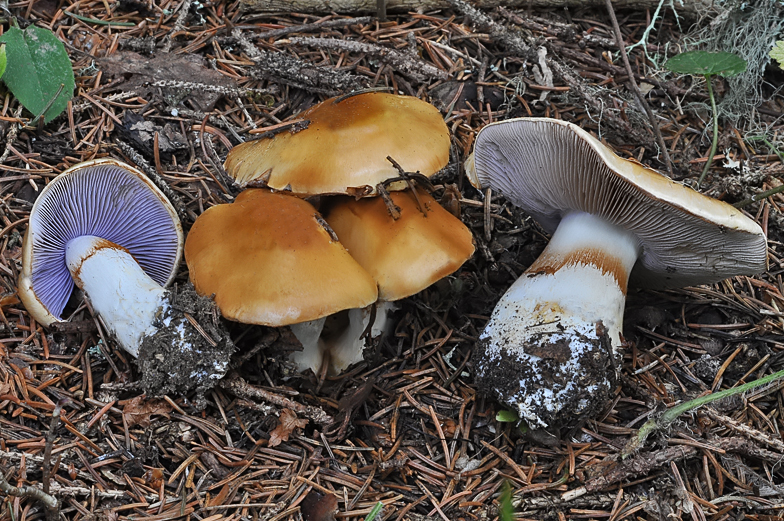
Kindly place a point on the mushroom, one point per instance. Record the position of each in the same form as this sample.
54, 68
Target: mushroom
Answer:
105, 227
403, 255
271, 259
551, 347
344, 148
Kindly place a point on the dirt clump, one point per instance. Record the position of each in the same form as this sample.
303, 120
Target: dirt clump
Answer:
166, 367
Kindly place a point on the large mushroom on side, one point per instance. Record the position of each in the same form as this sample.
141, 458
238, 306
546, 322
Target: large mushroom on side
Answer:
345, 145
551, 347
103, 226
271, 259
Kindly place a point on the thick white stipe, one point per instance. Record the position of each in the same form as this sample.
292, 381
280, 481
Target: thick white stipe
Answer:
578, 282
121, 292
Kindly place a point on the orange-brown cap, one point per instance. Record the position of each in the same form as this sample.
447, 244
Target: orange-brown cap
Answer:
405, 255
344, 149
270, 259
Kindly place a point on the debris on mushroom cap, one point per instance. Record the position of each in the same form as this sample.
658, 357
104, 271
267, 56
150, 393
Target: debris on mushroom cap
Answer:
345, 146
271, 259
403, 255
104, 198
550, 168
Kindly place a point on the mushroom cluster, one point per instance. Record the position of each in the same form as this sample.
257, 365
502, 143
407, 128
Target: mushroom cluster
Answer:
104, 227
551, 347
330, 275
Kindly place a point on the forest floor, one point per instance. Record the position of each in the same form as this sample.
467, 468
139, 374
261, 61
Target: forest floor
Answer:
182, 82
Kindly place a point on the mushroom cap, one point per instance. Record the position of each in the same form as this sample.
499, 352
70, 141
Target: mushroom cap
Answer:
105, 198
550, 168
345, 146
405, 255
270, 259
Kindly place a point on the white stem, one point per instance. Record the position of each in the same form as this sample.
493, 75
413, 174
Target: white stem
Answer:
343, 343
312, 354
125, 297
553, 321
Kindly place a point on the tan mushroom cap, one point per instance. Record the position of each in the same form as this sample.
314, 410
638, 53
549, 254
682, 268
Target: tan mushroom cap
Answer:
269, 259
344, 149
405, 255
551, 168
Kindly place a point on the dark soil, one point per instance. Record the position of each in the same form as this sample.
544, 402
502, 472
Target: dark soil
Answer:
166, 369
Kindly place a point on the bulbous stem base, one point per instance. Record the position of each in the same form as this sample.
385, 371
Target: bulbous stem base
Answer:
550, 347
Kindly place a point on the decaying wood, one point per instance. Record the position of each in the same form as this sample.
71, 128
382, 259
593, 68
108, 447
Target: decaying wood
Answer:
292, 71
643, 463
240, 387
407, 64
690, 9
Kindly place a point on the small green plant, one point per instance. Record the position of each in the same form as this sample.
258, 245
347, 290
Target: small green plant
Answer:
37, 70
374, 514
505, 506
506, 416
708, 64
3, 59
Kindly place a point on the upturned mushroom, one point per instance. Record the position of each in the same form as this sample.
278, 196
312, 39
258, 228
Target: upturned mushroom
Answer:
551, 347
344, 146
103, 226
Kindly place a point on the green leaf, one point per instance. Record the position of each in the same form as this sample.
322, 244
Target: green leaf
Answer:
777, 53
505, 506
706, 63
38, 68
506, 416
3, 59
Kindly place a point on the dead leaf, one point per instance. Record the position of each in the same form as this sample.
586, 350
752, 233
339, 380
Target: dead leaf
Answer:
319, 507
139, 410
288, 422
141, 73
154, 478
8, 300
141, 133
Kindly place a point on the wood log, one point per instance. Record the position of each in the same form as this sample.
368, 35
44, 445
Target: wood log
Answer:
689, 9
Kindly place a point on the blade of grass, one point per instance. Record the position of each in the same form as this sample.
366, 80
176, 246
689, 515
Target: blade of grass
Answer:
669, 416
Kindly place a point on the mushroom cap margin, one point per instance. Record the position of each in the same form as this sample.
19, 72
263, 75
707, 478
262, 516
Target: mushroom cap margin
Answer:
686, 237
37, 309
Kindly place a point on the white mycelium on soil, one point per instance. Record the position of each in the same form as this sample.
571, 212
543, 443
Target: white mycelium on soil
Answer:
551, 343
